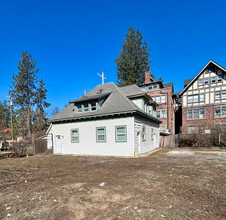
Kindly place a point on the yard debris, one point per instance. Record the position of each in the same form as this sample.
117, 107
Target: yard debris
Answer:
102, 184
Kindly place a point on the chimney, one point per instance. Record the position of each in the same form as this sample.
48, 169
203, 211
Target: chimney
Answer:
147, 78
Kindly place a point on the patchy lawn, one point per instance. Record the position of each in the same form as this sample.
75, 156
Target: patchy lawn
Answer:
179, 184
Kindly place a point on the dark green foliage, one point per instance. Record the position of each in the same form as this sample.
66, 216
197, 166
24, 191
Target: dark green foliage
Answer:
160, 79
133, 60
26, 97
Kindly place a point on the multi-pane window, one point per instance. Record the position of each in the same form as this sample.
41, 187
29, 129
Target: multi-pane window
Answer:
93, 106
213, 79
196, 113
86, 107
143, 133
161, 113
220, 95
101, 134
200, 82
75, 135
159, 98
79, 108
201, 97
220, 111
120, 133
193, 98
206, 81
220, 76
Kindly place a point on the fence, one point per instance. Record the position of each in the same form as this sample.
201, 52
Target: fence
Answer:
42, 144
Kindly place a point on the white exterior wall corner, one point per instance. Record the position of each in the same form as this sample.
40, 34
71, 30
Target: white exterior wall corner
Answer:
87, 137
148, 144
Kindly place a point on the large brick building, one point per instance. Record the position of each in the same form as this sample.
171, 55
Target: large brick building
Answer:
204, 99
163, 95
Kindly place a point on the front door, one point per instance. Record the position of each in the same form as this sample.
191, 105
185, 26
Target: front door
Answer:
58, 144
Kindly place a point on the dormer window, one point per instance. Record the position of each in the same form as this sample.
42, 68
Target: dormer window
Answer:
93, 106
86, 107
79, 108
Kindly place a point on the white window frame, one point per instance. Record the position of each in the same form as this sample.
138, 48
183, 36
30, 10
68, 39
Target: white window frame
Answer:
196, 109
117, 134
72, 136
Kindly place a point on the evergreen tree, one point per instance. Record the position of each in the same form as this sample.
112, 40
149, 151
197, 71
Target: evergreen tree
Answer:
24, 90
133, 60
4, 117
41, 104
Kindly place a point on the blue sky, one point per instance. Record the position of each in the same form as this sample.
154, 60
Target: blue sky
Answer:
73, 40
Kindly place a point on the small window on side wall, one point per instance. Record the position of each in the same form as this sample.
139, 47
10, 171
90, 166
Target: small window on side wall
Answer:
75, 135
101, 134
143, 133
120, 133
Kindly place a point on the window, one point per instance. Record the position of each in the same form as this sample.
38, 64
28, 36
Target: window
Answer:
79, 108
223, 94
157, 99
157, 114
150, 86
220, 76
190, 99
86, 107
196, 113
206, 81
163, 98
193, 98
201, 97
143, 133
93, 106
75, 135
213, 79
120, 133
101, 134
220, 111
200, 82
163, 114
217, 112
152, 134
189, 114
217, 95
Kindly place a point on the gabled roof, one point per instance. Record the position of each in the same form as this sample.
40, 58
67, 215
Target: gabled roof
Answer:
168, 85
191, 82
187, 81
117, 102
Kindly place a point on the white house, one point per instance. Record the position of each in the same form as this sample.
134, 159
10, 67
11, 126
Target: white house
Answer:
108, 120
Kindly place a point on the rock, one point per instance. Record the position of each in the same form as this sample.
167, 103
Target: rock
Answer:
8, 215
102, 184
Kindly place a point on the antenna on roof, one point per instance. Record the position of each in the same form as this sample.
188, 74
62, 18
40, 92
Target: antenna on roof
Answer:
102, 76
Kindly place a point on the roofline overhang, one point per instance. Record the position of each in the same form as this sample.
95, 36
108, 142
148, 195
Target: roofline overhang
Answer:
210, 61
107, 115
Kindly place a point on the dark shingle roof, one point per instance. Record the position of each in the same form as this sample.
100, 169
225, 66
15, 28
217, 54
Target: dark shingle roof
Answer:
168, 85
116, 103
187, 81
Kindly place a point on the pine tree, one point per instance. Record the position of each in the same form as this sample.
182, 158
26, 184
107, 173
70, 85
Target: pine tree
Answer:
41, 105
133, 60
24, 90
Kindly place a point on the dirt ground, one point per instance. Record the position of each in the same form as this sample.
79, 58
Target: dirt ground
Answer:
171, 184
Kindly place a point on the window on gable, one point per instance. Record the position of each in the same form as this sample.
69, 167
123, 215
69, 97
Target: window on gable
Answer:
200, 82
220, 76
101, 134
206, 81
218, 95
143, 133
213, 79
75, 135
120, 133
223, 94
201, 97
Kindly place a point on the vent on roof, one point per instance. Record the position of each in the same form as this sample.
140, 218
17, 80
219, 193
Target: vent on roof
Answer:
100, 91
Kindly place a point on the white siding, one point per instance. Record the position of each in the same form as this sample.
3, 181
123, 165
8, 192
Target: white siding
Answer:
87, 137
138, 102
148, 144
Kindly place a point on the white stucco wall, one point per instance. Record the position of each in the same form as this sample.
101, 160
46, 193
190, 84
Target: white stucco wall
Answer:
87, 137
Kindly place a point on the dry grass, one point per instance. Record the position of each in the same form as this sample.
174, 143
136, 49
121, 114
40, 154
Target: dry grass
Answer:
162, 186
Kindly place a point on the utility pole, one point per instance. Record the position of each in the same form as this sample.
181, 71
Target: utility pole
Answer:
102, 76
